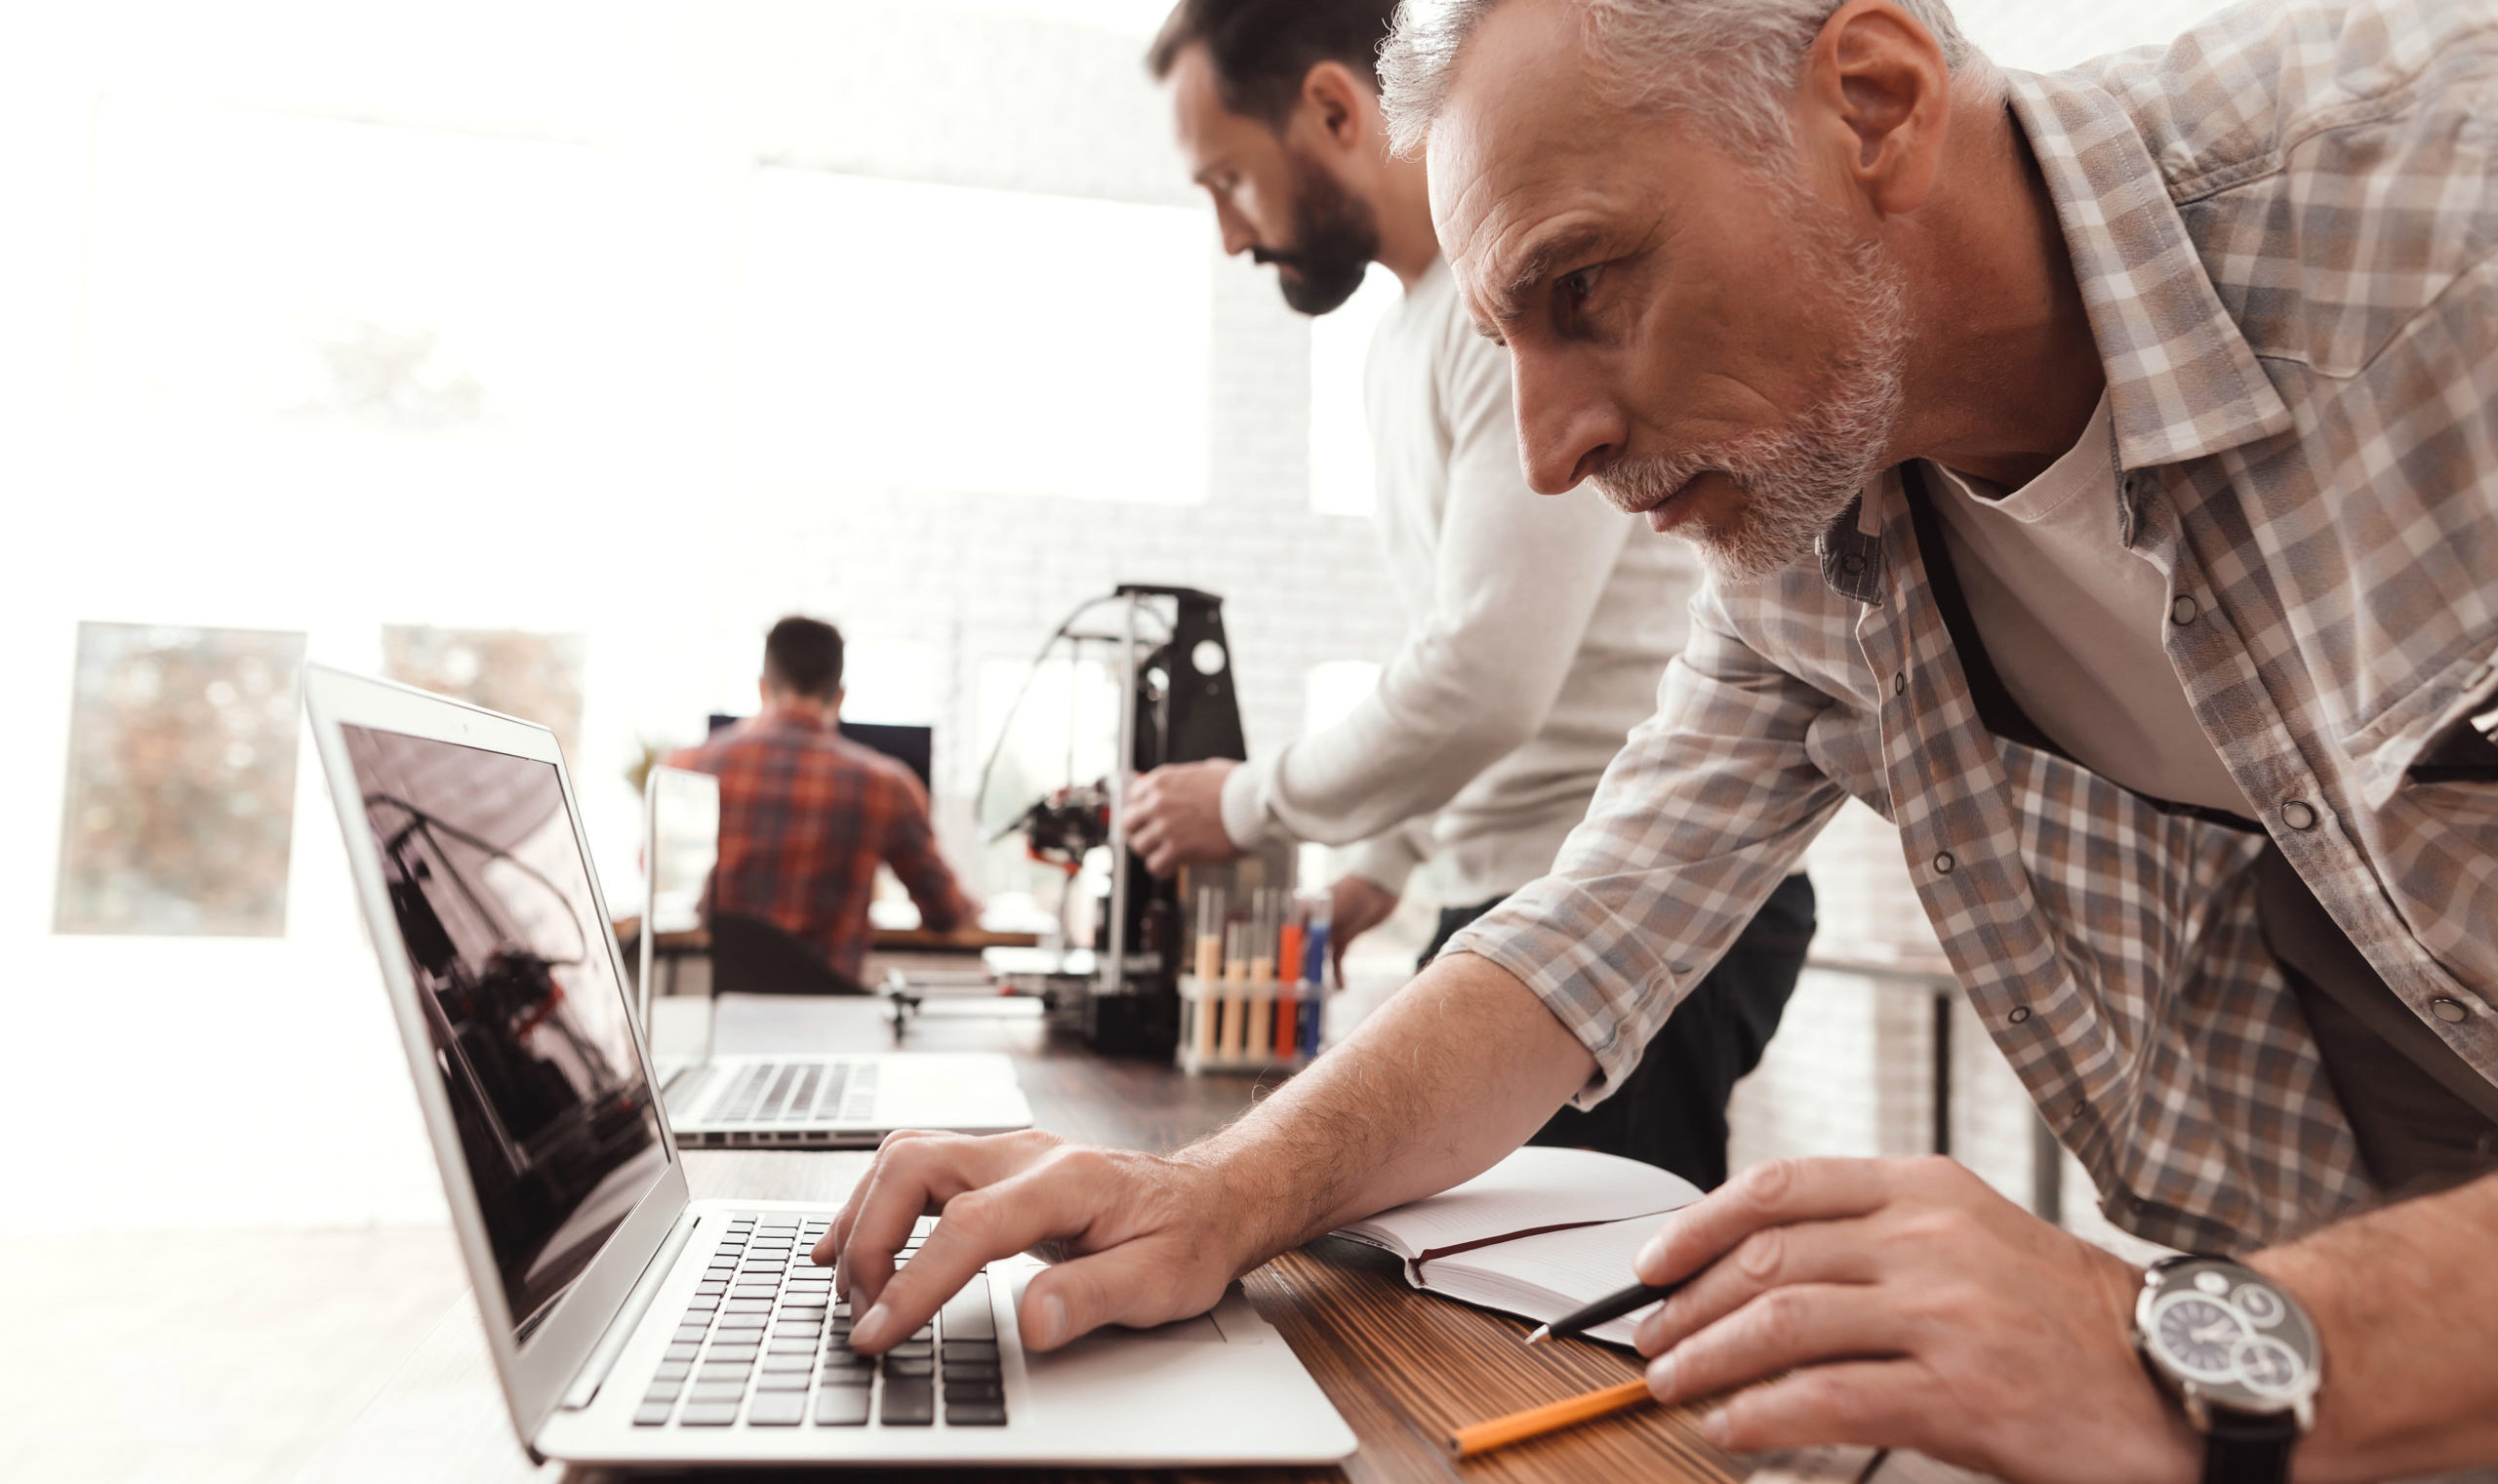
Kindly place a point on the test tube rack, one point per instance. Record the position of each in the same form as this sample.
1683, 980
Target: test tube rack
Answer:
1230, 1025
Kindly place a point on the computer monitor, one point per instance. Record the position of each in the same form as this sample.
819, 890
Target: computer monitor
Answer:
910, 746
914, 748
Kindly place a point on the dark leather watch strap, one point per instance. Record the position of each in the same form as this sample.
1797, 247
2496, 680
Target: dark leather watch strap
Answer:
2248, 1447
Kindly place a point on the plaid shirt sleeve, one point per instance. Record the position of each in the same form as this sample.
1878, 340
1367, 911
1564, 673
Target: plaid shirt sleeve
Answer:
910, 849
1644, 899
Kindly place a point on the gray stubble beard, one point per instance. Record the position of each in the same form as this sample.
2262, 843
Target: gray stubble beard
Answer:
1801, 475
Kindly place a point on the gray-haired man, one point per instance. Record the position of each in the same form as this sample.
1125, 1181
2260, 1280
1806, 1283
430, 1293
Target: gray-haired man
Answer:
2099, 474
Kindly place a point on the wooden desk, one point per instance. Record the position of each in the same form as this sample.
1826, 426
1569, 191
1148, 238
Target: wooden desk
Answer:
1402, 1367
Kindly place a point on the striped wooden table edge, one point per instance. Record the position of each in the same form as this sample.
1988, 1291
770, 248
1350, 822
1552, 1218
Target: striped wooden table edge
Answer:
1406, 1369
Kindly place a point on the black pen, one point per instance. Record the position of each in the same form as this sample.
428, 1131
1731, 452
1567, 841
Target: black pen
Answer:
1613, 1306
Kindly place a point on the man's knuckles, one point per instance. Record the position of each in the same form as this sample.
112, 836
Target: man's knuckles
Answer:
1761, 1190
1083, 1166
1948, 1233
1762, 1257
975, 1216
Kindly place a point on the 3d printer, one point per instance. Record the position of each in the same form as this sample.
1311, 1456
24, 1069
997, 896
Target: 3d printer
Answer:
1150, 667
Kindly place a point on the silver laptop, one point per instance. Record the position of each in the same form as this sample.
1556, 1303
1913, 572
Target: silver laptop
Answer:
628, 1324
813, 1101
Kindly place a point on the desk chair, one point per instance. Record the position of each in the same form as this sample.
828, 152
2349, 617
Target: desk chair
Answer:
752, 956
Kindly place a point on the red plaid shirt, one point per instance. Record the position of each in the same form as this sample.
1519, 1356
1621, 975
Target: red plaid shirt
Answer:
805, 816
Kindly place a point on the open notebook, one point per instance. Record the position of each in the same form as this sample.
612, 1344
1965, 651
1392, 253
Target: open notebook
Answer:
1541, 1233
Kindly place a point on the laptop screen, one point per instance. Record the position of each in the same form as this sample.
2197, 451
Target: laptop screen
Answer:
529, 1023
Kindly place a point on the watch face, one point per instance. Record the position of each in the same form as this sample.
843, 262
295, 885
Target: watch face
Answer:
2198, 1335
2226, 1335
2269, 1367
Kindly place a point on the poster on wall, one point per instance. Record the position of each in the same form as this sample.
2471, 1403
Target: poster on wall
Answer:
536, 677
179, 806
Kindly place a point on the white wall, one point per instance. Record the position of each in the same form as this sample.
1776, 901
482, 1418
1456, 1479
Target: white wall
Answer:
565, 196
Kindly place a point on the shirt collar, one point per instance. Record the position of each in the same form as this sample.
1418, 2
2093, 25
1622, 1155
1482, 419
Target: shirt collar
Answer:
2182, 381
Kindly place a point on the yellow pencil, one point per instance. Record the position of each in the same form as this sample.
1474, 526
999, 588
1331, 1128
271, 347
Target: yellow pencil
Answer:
1533, 1422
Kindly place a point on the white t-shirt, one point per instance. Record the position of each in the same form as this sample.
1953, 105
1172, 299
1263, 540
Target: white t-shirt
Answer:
2072, 622
1538, 631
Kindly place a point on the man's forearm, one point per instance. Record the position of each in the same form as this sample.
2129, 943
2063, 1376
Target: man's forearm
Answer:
1451, 1075
2406, 1302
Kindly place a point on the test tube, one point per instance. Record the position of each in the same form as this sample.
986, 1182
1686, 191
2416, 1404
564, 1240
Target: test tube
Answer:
1261, 943
1209, 926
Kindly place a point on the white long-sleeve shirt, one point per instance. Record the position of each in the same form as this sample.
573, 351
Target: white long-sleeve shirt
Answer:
1538, 629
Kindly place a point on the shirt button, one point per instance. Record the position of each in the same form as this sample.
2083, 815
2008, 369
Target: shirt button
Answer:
2299, 814
2182, 612
2448, 1010
2020, 1013
1900, 683
1851, 564
1944, 862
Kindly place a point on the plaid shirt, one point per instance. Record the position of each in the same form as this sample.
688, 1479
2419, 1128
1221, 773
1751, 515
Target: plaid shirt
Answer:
805, 816
2285, 226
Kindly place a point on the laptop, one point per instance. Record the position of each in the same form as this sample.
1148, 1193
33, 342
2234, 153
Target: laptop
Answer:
813, 1101
629, 1325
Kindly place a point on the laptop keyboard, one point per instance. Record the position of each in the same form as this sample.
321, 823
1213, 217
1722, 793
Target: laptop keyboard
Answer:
800, 1092
763, 1345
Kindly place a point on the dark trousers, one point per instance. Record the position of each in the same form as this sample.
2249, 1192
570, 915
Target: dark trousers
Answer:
1672, 1111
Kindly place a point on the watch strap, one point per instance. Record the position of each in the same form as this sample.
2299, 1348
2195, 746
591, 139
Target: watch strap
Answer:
2248, 1447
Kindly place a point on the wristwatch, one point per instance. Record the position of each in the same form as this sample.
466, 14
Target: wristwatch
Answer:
2240, 1354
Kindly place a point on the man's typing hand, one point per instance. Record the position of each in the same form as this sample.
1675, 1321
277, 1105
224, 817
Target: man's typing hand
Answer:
1140, 1239
1908, 1306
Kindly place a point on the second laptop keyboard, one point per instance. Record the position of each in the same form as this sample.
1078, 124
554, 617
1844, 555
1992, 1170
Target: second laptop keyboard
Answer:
764, 1344
797, 1091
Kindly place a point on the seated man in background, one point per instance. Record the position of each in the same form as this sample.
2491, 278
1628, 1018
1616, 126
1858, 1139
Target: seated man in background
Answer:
1539, 627
806, 815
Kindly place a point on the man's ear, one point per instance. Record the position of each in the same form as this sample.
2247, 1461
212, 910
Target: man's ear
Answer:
1339, 106
1873, 102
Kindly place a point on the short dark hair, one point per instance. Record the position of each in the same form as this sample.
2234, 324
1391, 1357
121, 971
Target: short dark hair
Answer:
1261, 50
803, 656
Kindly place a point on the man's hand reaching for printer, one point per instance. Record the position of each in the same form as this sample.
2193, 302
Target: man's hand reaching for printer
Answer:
1174, 816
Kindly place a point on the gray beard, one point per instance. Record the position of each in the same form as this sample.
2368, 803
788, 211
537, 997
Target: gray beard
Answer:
1801, 475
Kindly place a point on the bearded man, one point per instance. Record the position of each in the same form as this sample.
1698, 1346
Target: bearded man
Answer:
2098, 473
1538, 629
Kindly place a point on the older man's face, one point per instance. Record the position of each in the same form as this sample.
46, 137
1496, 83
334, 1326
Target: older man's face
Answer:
1717, 350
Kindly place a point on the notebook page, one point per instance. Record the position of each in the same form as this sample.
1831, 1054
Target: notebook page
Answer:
1532, 1188
1544, 1278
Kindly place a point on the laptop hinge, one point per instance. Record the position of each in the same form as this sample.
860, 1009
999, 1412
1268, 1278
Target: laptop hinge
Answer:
610, 1344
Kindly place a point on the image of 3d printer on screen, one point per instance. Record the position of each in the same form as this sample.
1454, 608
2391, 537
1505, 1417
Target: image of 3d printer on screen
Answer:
528, 1023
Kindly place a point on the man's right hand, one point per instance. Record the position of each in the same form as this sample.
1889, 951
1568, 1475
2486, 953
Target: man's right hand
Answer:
1135, 1239
1355, 904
